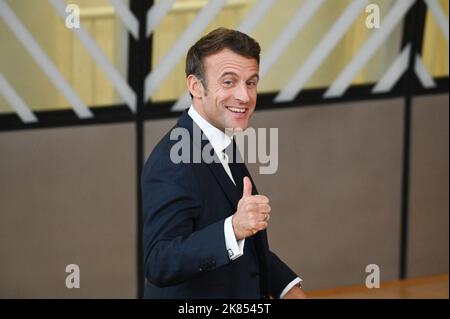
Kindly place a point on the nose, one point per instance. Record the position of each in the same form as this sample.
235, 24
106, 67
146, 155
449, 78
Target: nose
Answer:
241, 93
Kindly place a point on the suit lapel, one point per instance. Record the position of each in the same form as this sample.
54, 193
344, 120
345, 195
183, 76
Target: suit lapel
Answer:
230, 190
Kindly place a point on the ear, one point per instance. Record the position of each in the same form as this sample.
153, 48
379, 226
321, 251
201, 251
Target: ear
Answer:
195, 86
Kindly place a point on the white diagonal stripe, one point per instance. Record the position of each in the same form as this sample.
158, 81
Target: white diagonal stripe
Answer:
155, 78
127, 17
369, 48
122, 87
16, 102
394, 72
258, 11
288, 34
256, 14
52, 72
422, 73
182, 103
321, 51
439, 15
156, 13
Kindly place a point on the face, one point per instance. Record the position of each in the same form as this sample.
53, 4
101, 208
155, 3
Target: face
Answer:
229, 99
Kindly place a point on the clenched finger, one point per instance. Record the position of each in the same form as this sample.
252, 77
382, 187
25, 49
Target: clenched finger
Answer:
264, 208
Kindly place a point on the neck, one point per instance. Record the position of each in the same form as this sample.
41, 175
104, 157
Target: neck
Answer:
199, 108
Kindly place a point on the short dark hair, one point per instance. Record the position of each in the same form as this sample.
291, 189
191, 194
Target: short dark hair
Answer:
215, 41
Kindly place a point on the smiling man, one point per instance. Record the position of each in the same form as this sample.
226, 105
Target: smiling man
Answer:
204, 223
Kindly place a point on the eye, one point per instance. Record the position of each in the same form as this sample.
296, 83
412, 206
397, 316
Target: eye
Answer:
228, 83
252, 83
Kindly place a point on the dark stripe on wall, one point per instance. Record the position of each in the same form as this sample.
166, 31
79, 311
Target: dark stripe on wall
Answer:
139, 57
161, 110
412, 33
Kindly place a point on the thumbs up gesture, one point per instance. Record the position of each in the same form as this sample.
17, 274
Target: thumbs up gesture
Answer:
253, 213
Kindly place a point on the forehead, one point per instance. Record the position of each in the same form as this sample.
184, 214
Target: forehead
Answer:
229, 61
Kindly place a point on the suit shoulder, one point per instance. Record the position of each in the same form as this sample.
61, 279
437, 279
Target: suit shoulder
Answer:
164, 155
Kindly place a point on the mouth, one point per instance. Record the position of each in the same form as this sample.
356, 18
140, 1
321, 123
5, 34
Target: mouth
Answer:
239, 111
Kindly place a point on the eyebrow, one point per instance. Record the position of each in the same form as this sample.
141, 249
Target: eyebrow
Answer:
256, 75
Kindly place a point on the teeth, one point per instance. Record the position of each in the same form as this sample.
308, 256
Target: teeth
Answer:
236, 110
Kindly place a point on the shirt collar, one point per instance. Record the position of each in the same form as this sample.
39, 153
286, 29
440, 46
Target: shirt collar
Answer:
218, 139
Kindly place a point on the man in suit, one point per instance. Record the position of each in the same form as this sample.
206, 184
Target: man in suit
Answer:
204, 223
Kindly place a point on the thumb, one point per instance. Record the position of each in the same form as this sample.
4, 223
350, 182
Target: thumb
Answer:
247, 187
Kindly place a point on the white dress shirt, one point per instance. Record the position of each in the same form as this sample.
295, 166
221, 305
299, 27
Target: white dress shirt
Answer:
219, 142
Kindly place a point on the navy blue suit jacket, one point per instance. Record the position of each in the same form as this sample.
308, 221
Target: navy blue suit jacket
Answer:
185, 206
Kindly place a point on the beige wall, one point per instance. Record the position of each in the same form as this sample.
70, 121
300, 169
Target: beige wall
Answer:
336, 193
428, 244
68, 196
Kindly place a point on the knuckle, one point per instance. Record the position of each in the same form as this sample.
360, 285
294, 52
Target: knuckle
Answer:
264, 208
262, 199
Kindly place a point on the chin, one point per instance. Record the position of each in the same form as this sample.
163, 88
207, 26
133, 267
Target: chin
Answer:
239, 125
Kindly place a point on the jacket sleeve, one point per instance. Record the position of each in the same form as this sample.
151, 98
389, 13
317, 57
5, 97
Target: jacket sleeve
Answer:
174, 250
280, 275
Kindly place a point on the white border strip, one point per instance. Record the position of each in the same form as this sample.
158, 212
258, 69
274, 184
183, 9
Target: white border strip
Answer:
394, 72
422, 73
321, 51
44, 62
288, 34
127, 17
155, 78
258, 11
343, 81
156, 13
439, 15
121, 86
16, 102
